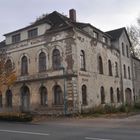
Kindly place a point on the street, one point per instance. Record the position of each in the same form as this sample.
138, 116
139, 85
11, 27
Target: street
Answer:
73, 129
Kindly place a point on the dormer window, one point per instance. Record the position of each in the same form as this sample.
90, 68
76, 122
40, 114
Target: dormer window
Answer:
104, 39
16, 38
95, 34
32, 33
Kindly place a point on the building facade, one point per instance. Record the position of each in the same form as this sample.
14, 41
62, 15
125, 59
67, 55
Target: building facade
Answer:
64, 66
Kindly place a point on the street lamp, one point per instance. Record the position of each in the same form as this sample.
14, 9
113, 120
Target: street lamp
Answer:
65, 92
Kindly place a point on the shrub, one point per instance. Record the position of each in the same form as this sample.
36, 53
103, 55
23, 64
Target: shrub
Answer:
21, 117
137, 105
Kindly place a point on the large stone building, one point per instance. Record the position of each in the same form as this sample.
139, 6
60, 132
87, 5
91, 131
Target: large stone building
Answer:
67, 66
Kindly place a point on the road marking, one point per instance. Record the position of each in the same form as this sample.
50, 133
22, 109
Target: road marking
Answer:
89, 138
24, 132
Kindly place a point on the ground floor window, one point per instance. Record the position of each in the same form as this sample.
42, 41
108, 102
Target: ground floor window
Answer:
84, 95
43, 96
58, 98
9, 98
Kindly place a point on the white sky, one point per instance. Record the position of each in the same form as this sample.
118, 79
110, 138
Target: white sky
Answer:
103, 14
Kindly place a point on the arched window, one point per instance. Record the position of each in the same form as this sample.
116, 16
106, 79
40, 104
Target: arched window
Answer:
42, 62
129, 76
43, 96
111, 95
124, 71
100, 65
84, 95
8, 66
102, 95
24, 66
82, 60
116, 69
109, 68
58, 97
9, 98
127, 51
56, 59
123, 49
118, 96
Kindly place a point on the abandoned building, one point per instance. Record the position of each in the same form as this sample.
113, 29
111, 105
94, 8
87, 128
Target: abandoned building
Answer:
65, 66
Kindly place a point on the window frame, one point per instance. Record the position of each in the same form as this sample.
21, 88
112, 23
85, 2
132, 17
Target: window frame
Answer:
16, 38
33, 33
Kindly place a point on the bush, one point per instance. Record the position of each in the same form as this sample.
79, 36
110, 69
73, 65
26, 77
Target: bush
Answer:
110, 108
21, 117
137, 105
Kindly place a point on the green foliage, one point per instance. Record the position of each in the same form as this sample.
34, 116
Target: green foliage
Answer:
109, 108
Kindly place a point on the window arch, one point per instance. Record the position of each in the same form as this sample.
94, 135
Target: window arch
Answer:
43, 96
129, 76
123, 49
118, 96
9, 98
24, 65
8, 65
42, 62
109, 68
102, 95
100, 64
111, 95
82, 60
124, 71
58, 97
84, 95
56, 59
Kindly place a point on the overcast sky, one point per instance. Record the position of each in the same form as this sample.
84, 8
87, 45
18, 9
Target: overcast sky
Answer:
103, 14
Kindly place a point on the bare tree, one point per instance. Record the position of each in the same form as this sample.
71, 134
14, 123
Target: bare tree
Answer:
134, 35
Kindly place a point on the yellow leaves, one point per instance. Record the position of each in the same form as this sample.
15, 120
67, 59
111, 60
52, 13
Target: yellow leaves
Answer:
7, 73
10, 79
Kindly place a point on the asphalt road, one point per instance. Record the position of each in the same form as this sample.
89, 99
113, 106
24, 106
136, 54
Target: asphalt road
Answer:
73, 129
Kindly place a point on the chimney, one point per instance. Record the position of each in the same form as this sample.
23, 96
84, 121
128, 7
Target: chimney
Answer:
72, 14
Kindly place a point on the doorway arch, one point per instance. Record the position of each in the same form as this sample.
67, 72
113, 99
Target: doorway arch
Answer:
128, 95
25, 98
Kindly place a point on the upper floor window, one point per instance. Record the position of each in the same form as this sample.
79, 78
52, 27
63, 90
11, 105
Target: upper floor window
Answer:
95, 35
42, 62
116, 69
129, 76
100, 65
16, 38
124, 71
123, 49
32, 33
8, 66
24, 65
56, 59
104, 39
109, 68
127, 50
82, 60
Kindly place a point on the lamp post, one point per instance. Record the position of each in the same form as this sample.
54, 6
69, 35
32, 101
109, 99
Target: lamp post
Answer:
65, 92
